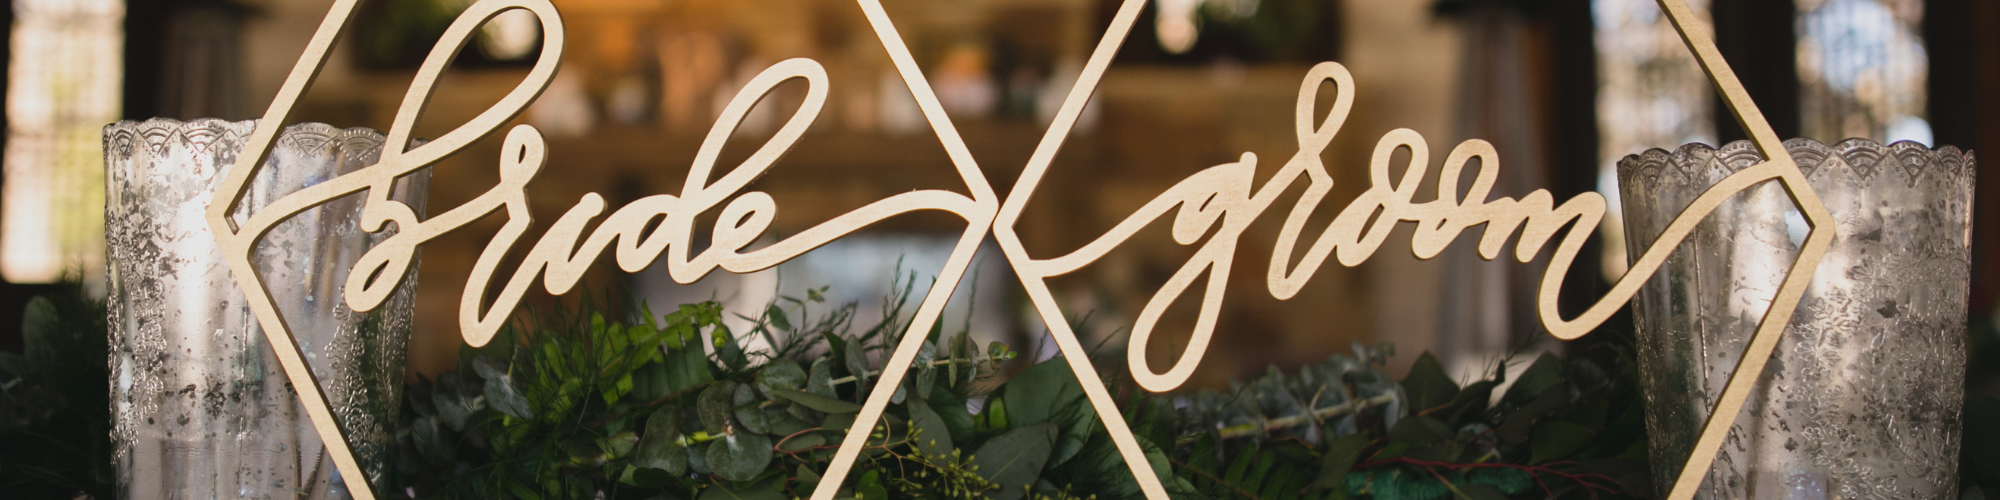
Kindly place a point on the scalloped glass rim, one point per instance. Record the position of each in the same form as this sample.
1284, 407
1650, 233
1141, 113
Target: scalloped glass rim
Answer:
1850, 144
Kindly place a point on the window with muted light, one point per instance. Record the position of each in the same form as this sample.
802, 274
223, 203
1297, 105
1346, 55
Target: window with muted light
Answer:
1650, 94
63, 88
1862, 73
1862, 70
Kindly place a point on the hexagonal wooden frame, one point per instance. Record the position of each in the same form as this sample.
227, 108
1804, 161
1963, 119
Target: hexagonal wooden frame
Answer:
1219, 195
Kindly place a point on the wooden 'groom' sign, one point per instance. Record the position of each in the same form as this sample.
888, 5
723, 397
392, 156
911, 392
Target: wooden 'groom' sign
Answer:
1223, 195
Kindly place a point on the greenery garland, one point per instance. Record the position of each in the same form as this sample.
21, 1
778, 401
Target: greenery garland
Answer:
573, 405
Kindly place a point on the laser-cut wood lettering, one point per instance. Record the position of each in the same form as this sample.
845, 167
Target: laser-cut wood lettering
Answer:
1222, 196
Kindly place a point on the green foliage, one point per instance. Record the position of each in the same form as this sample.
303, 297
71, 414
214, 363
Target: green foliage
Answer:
575, 405
55, 420
1566, 428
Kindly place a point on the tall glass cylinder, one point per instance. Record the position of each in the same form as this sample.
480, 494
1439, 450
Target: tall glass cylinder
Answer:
201, 408
1861, 399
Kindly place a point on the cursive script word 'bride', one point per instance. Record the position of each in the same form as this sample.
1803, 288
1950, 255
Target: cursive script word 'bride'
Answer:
561, 260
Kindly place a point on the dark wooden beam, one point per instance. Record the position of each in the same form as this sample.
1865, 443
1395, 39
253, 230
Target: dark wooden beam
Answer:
1962, 38
1757, 39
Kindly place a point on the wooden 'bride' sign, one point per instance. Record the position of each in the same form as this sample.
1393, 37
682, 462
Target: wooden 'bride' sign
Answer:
1222, 195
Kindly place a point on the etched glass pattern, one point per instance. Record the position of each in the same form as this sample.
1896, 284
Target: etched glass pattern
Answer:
1861, 398
201, 407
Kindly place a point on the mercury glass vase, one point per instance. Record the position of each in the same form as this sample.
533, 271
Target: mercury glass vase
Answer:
1861, 398
200, 405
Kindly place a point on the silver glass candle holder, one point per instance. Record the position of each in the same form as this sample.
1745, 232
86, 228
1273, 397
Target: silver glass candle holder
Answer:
1862, 396
200, 406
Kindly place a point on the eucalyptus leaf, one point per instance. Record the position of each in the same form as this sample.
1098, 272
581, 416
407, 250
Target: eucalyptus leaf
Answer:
780, 374
697, 459
1428, 385
645, 478
927, 352
431, 441
838, 421
997, 352
501, 395
750, 410
836, 350
932, 434
870, 486
857, 367
1544, 373
788, 426
777, 317
951, 409
960, 349
817, 402
1048, 392
619, 445
807, 478
1471, 401
924, 378
728, 349
715, 405
803, 442
819, 379
488, 368
740, 456
1014, 459
1516, 427
1040, 392
452, 407
582, 452
799, 411
660, 447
